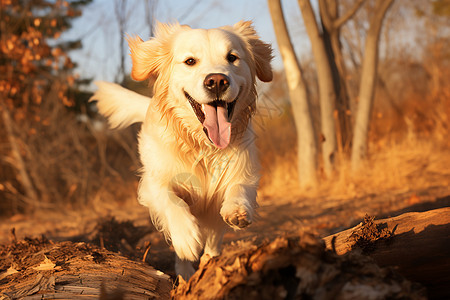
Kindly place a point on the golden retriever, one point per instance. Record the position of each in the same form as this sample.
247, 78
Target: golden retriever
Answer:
200, 168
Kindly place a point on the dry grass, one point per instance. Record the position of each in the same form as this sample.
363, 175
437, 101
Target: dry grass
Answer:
69, 163
417, 161
405, 166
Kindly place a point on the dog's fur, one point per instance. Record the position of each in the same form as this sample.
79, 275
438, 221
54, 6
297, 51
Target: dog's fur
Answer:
193, 186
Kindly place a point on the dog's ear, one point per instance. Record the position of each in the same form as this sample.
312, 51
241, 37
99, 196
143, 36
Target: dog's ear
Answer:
262, 52
150, 57
144, 57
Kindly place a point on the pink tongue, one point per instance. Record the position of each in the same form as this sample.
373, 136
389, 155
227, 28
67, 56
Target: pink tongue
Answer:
216, 122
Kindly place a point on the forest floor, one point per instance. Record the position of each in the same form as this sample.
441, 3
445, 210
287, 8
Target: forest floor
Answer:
126, 228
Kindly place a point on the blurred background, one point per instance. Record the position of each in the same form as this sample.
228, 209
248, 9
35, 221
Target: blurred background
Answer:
359, 104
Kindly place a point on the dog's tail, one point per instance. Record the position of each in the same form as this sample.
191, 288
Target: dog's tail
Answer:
121, 106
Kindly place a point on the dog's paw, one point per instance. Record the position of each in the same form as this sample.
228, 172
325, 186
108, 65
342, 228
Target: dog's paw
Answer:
237, 218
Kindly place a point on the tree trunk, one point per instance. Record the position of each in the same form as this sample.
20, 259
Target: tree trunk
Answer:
327, 94
120, 11
19, 163
307, 148
331, 24
367, 84
150, 7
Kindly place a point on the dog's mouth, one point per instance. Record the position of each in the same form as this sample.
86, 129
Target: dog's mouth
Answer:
215, 117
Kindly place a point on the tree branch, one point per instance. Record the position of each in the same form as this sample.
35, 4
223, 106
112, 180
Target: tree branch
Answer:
325, 15
342, 20
381, 9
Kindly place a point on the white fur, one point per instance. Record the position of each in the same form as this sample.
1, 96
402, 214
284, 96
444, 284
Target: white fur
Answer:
123, 107
192, 188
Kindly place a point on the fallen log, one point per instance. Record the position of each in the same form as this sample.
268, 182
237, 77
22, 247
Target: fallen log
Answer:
417, 244
293, 268
41, 269
287, 267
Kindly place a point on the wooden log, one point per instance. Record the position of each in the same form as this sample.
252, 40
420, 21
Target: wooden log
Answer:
293, 268
40, 269
418, 247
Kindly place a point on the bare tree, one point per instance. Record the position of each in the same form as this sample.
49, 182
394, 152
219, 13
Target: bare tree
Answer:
121, 15
327, 95
367, 84
307, 147
331, 28
17, 160
331, 71
150, 6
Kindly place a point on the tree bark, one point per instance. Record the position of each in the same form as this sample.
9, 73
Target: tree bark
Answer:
367, 84
42, 269
24, 177
418, 248
331, 24
307, 147
296, 267
120, 11
327, 93
150, 7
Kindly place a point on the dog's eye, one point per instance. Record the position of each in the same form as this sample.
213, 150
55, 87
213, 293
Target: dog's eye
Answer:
231, 58
190, 61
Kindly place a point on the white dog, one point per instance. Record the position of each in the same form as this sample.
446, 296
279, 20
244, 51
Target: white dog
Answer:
200, 169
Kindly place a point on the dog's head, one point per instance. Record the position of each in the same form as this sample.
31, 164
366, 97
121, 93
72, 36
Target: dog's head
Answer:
204, 79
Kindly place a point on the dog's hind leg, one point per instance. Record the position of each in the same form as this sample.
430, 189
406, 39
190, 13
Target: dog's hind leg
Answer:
213, 244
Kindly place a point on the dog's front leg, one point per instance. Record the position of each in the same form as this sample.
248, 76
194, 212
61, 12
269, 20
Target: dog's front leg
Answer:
238, 207
173, 217
186, 239
184, 232
185, 235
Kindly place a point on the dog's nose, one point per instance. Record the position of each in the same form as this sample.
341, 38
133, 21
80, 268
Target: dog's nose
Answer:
217, 83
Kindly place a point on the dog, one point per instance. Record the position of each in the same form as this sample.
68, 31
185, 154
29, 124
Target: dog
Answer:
200, 169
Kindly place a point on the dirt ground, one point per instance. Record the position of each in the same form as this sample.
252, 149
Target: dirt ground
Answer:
127, 229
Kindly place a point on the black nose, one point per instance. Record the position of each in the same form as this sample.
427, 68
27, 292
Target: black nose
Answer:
216, 83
